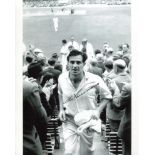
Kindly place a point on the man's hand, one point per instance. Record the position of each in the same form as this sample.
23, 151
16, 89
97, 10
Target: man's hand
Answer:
96, 115
62, 115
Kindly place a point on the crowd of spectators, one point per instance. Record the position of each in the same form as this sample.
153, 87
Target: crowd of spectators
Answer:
40, 76
50, 3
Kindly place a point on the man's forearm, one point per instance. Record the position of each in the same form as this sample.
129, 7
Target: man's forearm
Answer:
102, 105
61, 103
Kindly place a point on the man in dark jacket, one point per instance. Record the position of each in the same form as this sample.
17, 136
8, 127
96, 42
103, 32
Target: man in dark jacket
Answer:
124, 130
113, 113
34, 115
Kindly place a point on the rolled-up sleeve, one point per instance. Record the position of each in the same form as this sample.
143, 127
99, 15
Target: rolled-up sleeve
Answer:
103, 90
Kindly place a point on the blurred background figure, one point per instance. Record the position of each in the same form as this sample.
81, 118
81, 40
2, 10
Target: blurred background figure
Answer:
105, 46
73, 43
97, 51
109, 72
109, 53
28, 59
55, 22
125, 48
100, 61
94, 69
63, 54
87, 47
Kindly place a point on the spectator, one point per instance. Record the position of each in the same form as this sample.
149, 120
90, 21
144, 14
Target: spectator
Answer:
100, 61
50, 90
36, 51
34, 119
124, 130
55, 57
109, 72
58, 66
29, 58
109, 53
117, 55
94, 69
35, 70
125, 48
50, 69
105, 46
126, 58
97, 51
120, 71
114, 115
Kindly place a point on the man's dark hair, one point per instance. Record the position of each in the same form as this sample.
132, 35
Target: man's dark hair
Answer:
46, 77
120, 47
64, 41
97, 51
35, 70
75, 52
109, 64
29, 59
51, 62
127, 45
121, 67
58, 67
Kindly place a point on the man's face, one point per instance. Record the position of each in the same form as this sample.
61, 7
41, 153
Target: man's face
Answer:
125, 48
99, 57
105, 46
75, 65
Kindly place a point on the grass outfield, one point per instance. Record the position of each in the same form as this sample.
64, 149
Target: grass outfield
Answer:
99, 24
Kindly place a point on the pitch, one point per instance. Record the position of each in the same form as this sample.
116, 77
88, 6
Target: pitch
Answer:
97, 24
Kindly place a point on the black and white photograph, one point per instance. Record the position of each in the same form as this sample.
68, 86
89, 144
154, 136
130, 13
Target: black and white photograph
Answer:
76, 77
